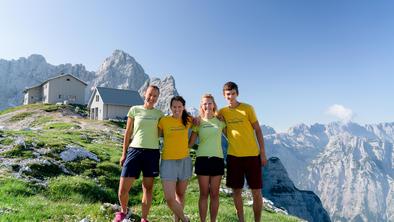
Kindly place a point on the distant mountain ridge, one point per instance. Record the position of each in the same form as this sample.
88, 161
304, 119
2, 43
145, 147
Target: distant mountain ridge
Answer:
120, 71
349, 166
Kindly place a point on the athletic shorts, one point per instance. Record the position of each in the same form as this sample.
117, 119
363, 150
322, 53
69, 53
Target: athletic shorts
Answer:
176, 170
239, 168
141, 159
209, 166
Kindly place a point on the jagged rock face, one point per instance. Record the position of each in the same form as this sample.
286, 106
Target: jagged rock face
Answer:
280, 189
16, 75
267, 130
120, 71
167, 91
348, 165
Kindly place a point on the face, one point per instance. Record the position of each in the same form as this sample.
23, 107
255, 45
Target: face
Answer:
230, 95
177, 108
207, 105
151, 96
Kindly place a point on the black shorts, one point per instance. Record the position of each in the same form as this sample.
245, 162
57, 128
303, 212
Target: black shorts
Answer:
141, 159
239, 168
209, 166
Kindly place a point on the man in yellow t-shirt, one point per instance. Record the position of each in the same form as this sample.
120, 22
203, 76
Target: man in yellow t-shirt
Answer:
245, 157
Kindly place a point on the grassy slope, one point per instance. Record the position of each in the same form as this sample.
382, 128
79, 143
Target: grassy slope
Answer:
72, 198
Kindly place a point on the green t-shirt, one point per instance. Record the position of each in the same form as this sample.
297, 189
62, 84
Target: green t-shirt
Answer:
210, 136
145, 133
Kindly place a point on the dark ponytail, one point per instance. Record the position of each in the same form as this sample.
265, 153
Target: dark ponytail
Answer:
185, 114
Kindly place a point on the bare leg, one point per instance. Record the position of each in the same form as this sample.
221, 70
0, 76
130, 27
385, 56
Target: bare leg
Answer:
125, 184
147, 188
203, 182
180, 194
257, 204
176, 207
214, 196
237, 197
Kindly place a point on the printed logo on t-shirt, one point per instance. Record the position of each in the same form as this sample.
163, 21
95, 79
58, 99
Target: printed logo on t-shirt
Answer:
207, 125
149, 117
177, 128
234, 121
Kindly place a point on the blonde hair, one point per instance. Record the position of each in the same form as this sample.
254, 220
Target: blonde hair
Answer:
215, 107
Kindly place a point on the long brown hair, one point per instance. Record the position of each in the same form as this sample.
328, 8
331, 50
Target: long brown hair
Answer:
185, 114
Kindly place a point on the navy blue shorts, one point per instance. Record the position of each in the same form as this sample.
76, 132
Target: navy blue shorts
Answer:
141, 159
209, 166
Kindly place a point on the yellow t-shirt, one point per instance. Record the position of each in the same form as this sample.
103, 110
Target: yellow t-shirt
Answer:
176, 137
240, 133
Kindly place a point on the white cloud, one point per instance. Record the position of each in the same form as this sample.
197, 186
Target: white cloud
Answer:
340, 112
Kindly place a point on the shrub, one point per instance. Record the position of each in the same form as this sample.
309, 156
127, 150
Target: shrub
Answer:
79, 166
51, 107
42, 171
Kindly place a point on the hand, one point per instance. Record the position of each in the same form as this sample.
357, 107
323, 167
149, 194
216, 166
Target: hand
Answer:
196, 121
263, 159
122, 159
220, 117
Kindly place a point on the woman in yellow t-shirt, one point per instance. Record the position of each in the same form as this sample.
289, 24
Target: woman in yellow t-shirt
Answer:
176, 164
209, 165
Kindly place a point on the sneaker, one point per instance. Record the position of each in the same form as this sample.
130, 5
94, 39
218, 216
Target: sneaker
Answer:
144, 220
119, 217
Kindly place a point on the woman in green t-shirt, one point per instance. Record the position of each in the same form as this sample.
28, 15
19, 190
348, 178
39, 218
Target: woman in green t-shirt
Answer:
209, 165
140, 153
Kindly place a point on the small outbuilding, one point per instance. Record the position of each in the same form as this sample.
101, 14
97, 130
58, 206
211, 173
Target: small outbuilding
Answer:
109, 103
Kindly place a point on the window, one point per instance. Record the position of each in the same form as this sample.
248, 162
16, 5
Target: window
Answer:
68, 79
60, 96
97, 98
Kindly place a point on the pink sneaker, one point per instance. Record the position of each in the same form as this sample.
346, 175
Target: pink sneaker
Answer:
144, 220
119, 217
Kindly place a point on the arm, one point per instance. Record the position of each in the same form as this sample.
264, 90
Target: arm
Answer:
160, 131
126, 139
260, 140
192, 139
225, 132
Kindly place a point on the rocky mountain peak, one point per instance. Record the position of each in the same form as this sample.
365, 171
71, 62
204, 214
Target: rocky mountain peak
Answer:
36, 59
120, 71
280, 189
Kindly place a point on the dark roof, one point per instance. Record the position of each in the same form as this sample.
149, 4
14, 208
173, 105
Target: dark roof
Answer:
25, 90
119, 96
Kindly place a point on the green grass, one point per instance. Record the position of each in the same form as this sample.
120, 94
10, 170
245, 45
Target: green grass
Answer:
18, 151
20, 116
61, 126
74, 197
41, 120
6, 141
78, 189
28, 107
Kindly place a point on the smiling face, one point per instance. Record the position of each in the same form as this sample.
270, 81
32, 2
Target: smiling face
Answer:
230, 96
177, 108
151, 96
207, 106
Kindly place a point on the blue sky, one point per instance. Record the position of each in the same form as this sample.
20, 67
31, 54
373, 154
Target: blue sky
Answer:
292, 59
